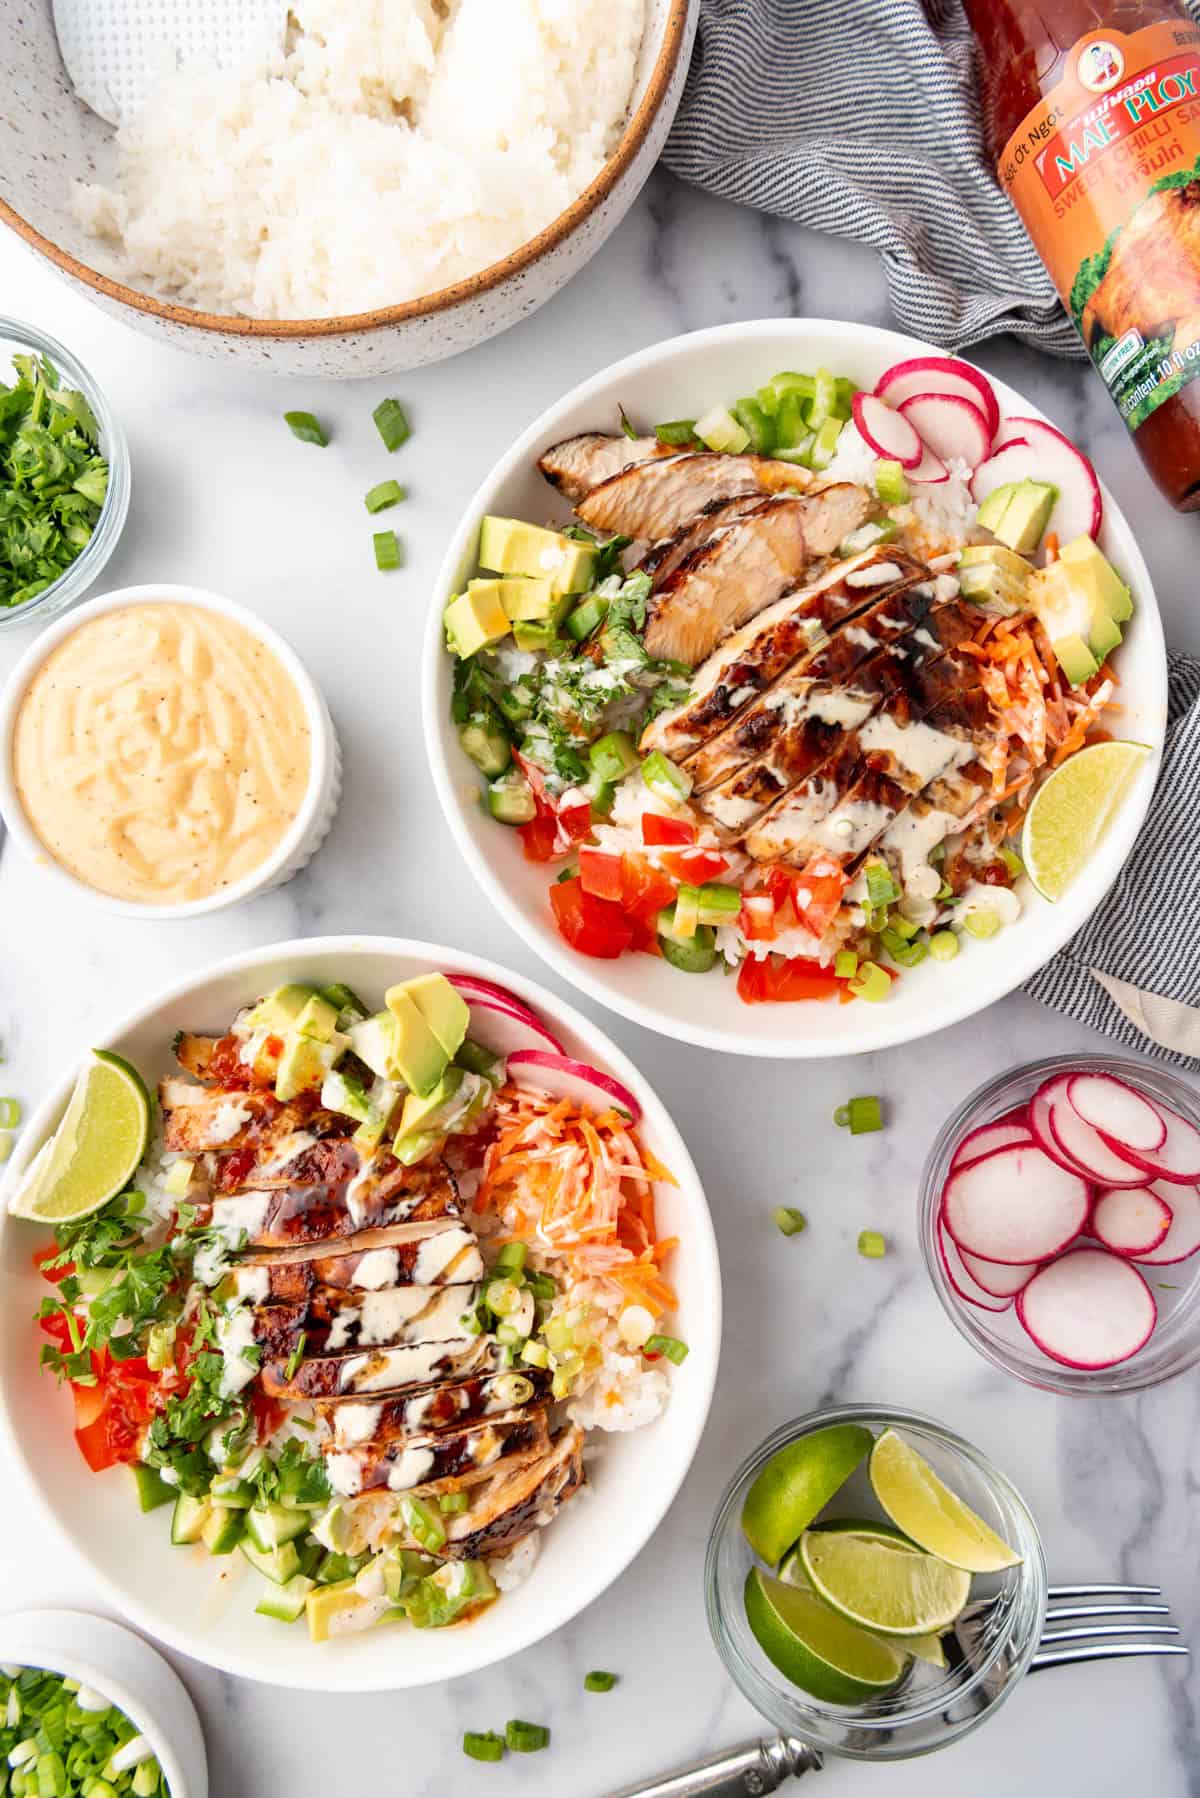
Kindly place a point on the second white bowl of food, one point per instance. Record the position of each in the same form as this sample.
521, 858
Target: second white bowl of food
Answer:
490, 150
683, 380
165, 753
652, 1411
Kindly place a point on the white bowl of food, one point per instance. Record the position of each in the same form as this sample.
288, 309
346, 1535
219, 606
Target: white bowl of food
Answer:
165, 753
157, 1728
364, 1338
490, 154
811, 629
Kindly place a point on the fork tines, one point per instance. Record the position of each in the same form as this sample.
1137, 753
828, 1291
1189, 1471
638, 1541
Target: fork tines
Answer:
1095, 1641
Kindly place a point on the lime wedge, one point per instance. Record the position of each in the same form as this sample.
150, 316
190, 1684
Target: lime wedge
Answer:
935, 1518
815, 1648
797, 1483
792, 1573
1072, 810
93, 1153
883, 1585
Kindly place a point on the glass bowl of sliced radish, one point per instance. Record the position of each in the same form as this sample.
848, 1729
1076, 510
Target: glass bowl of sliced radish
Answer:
1060, 1223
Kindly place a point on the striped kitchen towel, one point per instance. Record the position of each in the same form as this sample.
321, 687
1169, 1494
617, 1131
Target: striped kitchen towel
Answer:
1133, 970
860, 118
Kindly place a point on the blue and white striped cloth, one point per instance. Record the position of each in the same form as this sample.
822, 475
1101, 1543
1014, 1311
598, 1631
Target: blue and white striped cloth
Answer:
860, 118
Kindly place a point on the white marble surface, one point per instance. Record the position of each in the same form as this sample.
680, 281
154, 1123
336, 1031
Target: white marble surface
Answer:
224, 498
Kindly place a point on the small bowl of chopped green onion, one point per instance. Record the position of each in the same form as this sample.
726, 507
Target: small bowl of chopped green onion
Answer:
86, 1706
64, 477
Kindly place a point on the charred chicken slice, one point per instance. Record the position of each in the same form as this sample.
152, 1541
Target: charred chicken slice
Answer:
506, 1509
380, 1370
656, 498
424, 1410
435, 1256
578, 464
405, 1464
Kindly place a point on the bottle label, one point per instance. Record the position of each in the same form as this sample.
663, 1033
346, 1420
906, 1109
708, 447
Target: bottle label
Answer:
1105, 172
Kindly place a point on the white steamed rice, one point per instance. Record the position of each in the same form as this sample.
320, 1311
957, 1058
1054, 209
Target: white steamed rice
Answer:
393, 148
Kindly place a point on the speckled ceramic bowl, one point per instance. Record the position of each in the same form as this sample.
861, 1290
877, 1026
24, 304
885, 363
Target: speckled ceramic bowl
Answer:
49, 139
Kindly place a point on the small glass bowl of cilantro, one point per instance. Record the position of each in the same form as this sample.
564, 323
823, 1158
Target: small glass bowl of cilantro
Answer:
64, 476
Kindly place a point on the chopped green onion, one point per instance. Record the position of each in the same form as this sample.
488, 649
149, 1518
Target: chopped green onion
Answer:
904, 927
296, 1356
676, 431
670, 1346
904, 954
392, 423
872, 1245
867, 536
535, 1354
720, 430
599, 1681
860, 1115
387, 550
483, 1746
826, 442
945, 891
789, 1220
1012, 861
502, 1296
451, 1503
423, 1524
542, 1286
513, 1254
306, 427
10, 1114
891, 484
665, 780
845, 964
526, 1738
871, 983
383, 495
881, 888
982, 923
943, 945
626, 427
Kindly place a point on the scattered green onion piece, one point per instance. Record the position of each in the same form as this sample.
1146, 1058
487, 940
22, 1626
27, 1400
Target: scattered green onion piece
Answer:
542, 1286
841, 1117
945, 891
392, 423
881, 888
423, 1524
10, 1114
296, 1356
891, 484
599, 1681
387, 550
1012, 861
904, 927
526, 1738
720, 430
513, 1255
676, 431
665, 780
670, 1346
982, 923
535, 1354
872, 1245
863, 1114
789, 1220
451, 1503
483, 1746
845, 964
943, 945
383, 495
904, 954
307, 427
871, 983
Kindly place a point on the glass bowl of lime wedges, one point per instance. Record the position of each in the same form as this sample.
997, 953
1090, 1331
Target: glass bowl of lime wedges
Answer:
874, 1585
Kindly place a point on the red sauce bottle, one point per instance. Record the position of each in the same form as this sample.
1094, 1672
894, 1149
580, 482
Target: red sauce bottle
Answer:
1092, 112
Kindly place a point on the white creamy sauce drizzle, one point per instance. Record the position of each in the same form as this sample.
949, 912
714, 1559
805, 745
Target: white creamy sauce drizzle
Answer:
235, 1332
946, 586
226, 1119
911, 837
861, 639
376, 1268
440, 1253
841, 706
435, 1315
253, 1284
877, 576
410, 1467
416, 1364
287, 1150
356, 1422
919, 749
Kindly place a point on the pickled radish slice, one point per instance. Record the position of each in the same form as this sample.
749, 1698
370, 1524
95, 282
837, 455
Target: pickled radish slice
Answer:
1015, 1205
1034, 451
1090, 1152
954, 428
1130, 1220
562, 1075
1001, 1133
1114, 1108
1176, 1159
1183, 1238
968, 1290
1088, 1309
885, 431
1003, 1282
940, 374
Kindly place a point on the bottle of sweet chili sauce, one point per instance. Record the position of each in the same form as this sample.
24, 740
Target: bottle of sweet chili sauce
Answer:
1092, 109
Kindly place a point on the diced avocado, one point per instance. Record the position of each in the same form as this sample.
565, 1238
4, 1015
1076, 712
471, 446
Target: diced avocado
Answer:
1075, 659
317, 1018
304, 1064
270, 1526
1082, 603
332, 1610
384, 1098
534, 635
995, 555
1091, 569
524, 596
990, 574
277, 1564
472, 621
1105, 637
442, 1006
223, 1530
414, 1052
341, 1092
510, 546
152, 1489
189, 1518
371, 1040
1018, 513
478, 1060
286, 1602
430, 1112
280, 1009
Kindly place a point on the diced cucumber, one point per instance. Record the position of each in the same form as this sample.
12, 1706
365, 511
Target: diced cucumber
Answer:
478, 1060
510, 799
232, 1493
484, 740
152, 1489
223, 1530
189, 1518
277, 1524
614, 755
285, 1602
692, 954
279, 1565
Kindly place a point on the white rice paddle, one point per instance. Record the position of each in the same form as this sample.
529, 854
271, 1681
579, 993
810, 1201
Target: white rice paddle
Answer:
117, 51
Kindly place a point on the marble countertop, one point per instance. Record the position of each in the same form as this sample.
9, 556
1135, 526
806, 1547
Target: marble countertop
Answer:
223, 498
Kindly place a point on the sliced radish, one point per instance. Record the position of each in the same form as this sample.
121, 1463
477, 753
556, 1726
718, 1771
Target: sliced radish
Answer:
1015, 1205
1034, 451
940, 374
1177, 1158
1088, 1309
1130, 1220
1003, 1282
930, 470
505, 1031
1001, 1133
1117, 1110
562, 1076
1086, 1147
885, 431
967, 1289
1183, 1238
954, 428
473, 984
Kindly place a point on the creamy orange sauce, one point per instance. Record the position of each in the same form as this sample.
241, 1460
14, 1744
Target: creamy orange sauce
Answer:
161, 752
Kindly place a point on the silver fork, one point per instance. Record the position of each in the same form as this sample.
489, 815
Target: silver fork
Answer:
758, 1767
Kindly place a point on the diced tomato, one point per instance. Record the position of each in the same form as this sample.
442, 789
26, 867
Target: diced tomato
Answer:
539, 837
658, 829
89, 1404
810, 896
593, 926
233, 1168
56, 1275
644, 889
694, 865
602, 873
268, 1413
756, 920
576, 821
58, 1329
111, 1415
771, 980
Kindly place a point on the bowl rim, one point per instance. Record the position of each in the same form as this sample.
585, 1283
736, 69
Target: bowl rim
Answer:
43, 1628
166, 593
587, 977
639, 1524
637, 129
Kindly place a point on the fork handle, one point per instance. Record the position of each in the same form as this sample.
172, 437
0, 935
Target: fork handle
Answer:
747, 1771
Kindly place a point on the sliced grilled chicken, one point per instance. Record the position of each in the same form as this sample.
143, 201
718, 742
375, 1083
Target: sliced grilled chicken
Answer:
743, 567
381, 1370
506, 1509
198, 1120
655, 498
578, 464
660, 560
436, 1257
194, 1054
335, 1321
757, 654
322, 1213
427, 1462
427, 1409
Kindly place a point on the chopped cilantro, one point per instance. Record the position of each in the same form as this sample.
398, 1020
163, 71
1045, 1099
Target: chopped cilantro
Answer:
53, 479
